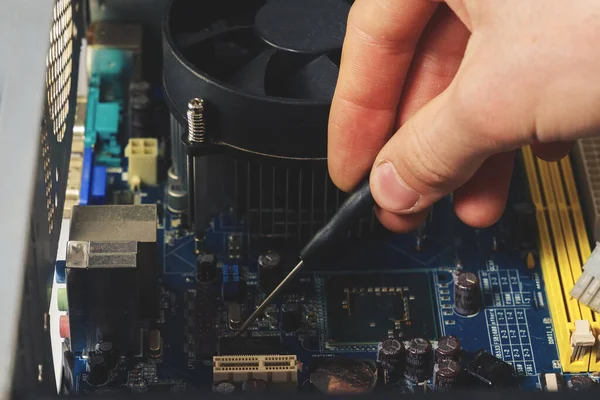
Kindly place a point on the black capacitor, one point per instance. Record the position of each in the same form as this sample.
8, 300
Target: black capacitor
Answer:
224, 387
206, 266
448, 348
445, 374
415, 374
391, 353
418, 353
580, 383
291, 317
467, 294
269, 271
105, 348
97, 370
154, 343
254, 386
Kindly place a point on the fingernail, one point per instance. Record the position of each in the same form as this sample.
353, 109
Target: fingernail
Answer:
390, 191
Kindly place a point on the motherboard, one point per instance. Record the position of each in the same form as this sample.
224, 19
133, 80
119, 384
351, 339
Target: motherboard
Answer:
152, 299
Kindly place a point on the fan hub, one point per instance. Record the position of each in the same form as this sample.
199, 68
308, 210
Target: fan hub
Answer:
303, 26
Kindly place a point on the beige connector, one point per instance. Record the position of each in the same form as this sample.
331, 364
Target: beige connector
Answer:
270, 368
143, 159
582, 339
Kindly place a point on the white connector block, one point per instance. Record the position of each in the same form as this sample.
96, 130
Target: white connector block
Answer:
587, 287
143, 161
551, 383
582, 339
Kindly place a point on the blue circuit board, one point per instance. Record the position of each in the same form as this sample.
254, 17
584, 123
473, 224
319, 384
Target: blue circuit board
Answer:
514, 324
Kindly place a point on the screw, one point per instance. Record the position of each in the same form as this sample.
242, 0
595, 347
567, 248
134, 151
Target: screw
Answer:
195, 117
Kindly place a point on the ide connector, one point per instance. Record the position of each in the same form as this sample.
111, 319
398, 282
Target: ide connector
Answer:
582, 340
587, 287
270, 368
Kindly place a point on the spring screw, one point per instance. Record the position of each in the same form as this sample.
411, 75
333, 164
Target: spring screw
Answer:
195, 117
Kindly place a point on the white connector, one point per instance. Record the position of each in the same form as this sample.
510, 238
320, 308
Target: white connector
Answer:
551, 382
587, 287
582, 339
143, 160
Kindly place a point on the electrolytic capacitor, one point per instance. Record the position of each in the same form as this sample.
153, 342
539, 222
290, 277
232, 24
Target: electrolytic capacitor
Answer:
391, 353
580, 383
418, 360
467, 294
97, 370
224, 387
105, 348
418, 353
415, 374
234, 316
448, 348
445, 374
269, 271
291, 317
155, 343
206, 266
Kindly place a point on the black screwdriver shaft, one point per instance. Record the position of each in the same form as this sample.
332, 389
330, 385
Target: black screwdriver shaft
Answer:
349, 212
353, 208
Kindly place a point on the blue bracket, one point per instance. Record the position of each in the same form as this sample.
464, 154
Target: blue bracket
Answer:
99, 180
86, 176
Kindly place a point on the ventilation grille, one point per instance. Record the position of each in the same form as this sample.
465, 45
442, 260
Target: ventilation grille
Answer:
59, 66
59, 69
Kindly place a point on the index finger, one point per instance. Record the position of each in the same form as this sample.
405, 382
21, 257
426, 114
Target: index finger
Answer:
381, 37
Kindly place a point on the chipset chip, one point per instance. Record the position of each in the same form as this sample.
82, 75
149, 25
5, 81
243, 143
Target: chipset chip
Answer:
363, 309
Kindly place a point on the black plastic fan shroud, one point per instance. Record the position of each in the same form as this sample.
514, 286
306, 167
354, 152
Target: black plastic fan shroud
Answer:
266, 70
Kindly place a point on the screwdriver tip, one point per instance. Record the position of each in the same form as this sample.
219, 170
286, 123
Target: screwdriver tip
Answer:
269, 298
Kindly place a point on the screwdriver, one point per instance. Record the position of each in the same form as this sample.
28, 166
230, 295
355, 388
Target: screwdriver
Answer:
353, 208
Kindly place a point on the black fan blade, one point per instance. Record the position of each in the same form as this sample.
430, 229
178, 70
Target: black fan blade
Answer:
303, 26
251, 78
222, 54
314, 80
189, 39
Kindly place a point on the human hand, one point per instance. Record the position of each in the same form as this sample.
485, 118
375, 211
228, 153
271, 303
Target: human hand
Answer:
436, 99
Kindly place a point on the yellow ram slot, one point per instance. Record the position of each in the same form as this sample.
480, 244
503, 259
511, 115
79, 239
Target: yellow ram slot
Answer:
577, 212
558, 311
570, 240
584, 249
559, 254
560, 250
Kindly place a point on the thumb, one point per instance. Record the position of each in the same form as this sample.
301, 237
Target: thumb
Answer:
435, 152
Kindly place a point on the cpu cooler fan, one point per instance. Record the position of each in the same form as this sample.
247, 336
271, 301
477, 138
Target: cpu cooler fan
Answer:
266, 71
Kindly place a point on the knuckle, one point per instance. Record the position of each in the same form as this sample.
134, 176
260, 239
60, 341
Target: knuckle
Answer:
482, 109
426, 167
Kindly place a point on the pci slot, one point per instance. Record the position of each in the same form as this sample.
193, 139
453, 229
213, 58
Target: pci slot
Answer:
563, 248
271, 368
